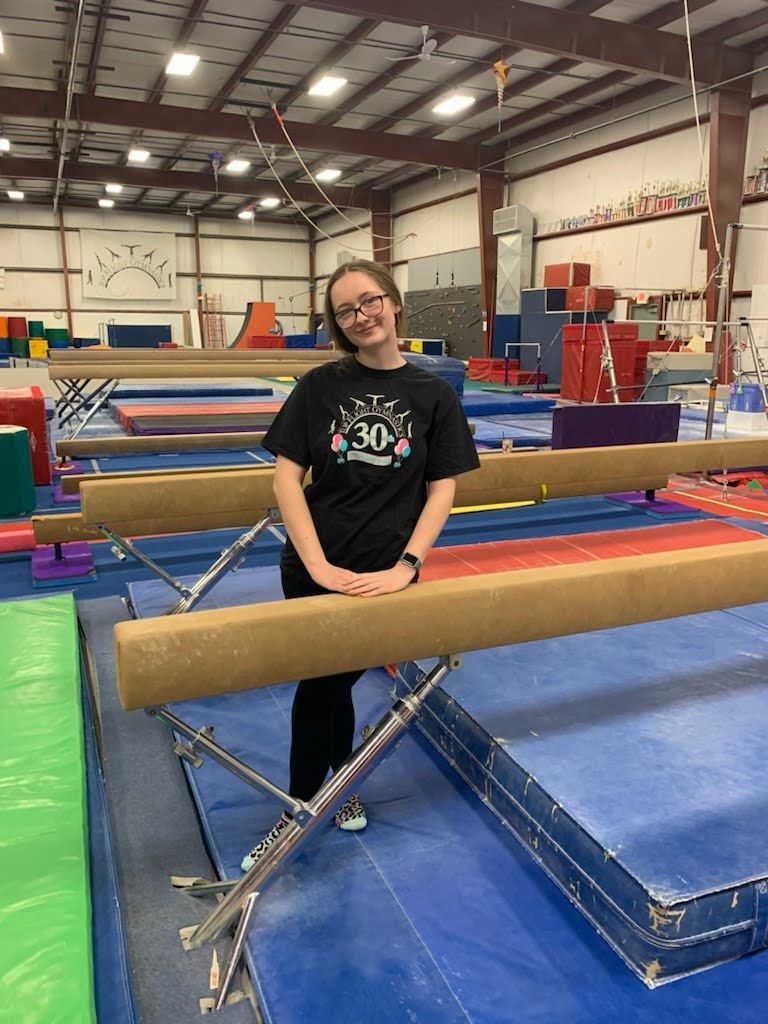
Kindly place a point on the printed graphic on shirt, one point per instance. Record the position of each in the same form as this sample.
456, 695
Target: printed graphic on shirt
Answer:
372, 432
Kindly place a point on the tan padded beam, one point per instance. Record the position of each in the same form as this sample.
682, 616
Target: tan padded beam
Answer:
61, 529
502, 477
71, 484
160, 370
122, 445
50, 529
167, 659
170, 355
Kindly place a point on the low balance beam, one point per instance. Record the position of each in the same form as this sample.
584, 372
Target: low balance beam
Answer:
163, 660
122, 445
148, 355
71, 484
69, 526
161, 370
502, 477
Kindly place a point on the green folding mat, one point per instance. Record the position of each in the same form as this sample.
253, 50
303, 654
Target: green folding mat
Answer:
45, 910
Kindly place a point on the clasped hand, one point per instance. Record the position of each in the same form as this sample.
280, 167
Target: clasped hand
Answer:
364, 584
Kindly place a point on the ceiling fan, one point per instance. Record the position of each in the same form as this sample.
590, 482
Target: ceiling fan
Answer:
427, 51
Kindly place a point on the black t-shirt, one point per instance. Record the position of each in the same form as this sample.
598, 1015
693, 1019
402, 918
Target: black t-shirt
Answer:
373, 440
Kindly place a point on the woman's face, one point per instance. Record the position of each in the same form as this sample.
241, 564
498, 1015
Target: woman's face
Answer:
369, 333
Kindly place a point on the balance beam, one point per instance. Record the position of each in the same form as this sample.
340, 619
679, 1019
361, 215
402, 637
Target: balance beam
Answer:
121, 445
71, 484
150, 355
502, 477
69, 526
162, 370
163, 660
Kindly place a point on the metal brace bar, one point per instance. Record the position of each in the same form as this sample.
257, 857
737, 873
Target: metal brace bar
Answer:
76, 397
234, 553
94, 408
202, 742
357, 766
191, 595
125, 545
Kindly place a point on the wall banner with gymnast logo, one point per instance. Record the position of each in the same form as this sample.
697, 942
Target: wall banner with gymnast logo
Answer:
128, 265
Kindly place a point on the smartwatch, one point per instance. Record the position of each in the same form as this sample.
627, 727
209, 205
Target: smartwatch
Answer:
412, 561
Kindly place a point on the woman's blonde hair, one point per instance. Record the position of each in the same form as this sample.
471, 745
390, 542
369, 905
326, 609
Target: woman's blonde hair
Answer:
383, 279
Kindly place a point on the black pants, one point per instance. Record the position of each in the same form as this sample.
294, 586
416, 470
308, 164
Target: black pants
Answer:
323, 716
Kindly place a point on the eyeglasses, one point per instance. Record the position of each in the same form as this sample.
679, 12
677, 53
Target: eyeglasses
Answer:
371, 306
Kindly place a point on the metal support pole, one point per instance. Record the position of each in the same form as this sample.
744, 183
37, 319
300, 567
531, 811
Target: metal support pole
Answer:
236, 550
608, 363
758, 363
722, 301
357, 766
202, 740
94, 408
236, 951
125, 545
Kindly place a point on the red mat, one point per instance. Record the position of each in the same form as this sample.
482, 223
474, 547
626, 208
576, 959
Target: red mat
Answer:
707, 499
502, 556
16, 537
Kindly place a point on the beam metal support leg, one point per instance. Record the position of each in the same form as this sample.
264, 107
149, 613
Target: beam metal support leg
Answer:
233, 554
357, 766
191, 595
202, 743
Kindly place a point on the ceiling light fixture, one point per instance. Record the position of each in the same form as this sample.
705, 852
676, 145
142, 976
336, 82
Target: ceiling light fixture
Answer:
328, 174
139, 156
106, 204
15, 194
2, 44
113, 190
5, 144
270, 203
182, 64
453, 104
245, 215
237, 166
327, 85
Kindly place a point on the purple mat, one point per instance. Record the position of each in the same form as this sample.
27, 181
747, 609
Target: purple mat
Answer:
76, 561
60, 498
66, 468
659, 506
592, 426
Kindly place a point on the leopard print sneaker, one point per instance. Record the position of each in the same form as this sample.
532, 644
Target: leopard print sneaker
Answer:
351, 815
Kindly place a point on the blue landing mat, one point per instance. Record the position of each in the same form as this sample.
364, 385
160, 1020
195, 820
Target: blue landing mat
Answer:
630, 762
189, 391
434, 913
480, 404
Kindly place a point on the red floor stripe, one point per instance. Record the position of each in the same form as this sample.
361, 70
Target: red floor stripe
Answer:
500, 556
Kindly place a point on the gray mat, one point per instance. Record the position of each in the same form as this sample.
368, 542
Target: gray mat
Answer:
156, 834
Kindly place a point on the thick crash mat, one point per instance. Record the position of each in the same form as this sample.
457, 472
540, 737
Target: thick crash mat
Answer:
630, 764
45, 913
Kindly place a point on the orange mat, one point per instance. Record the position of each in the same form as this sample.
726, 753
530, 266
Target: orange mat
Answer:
501, 556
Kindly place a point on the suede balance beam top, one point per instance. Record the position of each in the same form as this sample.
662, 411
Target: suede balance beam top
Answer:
168, 659
167, 370
74, 356
122, 445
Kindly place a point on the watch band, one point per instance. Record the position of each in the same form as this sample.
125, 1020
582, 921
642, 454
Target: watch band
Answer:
412, 561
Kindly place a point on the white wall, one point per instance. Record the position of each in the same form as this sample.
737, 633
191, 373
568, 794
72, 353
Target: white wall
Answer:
238, 262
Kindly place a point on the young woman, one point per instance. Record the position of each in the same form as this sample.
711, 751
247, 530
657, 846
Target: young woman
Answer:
384, 440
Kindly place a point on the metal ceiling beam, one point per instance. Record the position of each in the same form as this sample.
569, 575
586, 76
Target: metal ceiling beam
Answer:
229, 184
566, 34
256, 52
191, 19
96, 44
342, 48
219, 126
